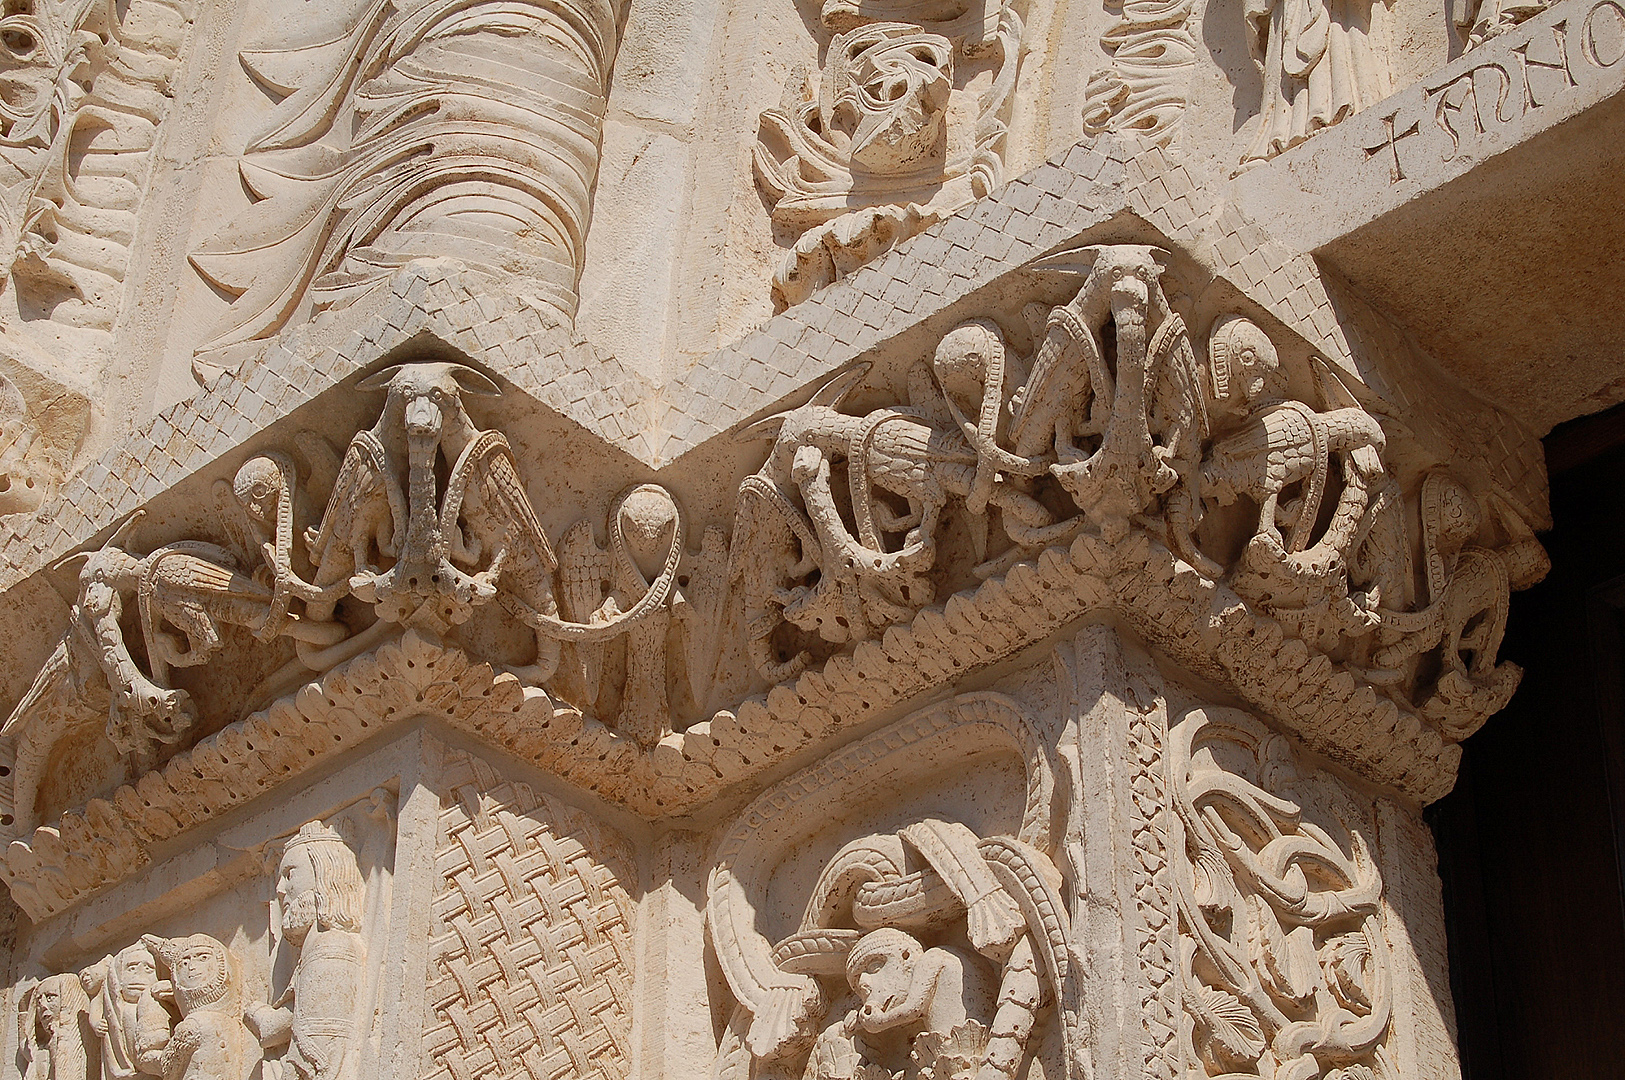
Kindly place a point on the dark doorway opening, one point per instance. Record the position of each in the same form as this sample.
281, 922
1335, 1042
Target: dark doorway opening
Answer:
1529, 840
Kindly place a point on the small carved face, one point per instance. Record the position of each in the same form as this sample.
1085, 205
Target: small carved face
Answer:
1130, 271
296, 875
49, 996
257, 485
646, 517
137, 972
1243, 364
198, 966
963, 356
296, 891
881, 970
425, 411
430, 398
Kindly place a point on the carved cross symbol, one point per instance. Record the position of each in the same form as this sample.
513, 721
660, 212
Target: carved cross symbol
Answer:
1390, 143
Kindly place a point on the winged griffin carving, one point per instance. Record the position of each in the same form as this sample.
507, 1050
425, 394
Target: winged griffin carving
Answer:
182, 593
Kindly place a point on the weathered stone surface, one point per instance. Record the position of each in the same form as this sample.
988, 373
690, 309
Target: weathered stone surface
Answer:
527, 553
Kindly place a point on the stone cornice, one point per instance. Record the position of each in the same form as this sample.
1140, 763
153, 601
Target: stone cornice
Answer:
1304, 631
1199, 624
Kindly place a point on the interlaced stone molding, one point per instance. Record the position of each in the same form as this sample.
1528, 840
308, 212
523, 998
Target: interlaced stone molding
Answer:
533, 924
1158, 936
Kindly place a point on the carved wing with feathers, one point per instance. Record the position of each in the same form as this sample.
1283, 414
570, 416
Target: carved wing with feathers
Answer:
586, 574
499, 512
363, 488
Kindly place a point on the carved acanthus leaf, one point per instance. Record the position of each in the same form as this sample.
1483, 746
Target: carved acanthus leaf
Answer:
386, 135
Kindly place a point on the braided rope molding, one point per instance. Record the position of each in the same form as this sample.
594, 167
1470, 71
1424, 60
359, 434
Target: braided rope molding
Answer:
1157, 936
1199, 624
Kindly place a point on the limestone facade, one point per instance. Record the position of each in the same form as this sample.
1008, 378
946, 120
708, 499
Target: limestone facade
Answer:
872, 540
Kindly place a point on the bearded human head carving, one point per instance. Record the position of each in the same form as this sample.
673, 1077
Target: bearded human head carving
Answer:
321, 893
201, 969
52, 1026
318, 883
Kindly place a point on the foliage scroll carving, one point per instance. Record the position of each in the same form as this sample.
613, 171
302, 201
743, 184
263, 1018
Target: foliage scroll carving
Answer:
414, 133
1284, 960
862, 157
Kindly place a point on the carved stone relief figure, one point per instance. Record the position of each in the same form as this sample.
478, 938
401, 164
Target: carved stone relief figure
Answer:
1464, 611
1267, 444
427, 523
182, 594
1117, 423
386, 506
1147, 416
924, 951
875, 574
209, 1041
87, 88
118, 985
907, 1007
1323, 61
427, 555
1286, 967
55, 1031
1114, 443
424, 130
320, 894
862, 157
630, 612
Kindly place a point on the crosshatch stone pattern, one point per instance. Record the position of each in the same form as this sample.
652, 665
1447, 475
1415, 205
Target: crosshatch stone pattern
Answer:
531, 954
